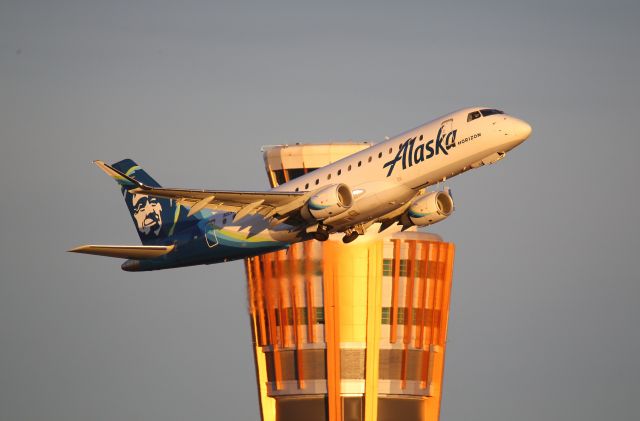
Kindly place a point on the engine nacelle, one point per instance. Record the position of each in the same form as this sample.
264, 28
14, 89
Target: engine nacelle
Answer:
328, 201
429, 209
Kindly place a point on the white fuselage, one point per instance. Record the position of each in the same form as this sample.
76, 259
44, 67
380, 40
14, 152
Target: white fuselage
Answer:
390, 173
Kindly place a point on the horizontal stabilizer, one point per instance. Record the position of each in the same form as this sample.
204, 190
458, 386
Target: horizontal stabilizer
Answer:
125, 252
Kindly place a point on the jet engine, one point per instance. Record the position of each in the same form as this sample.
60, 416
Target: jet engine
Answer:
328, 201
428, 209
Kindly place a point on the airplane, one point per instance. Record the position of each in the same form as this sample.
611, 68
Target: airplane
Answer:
385, 183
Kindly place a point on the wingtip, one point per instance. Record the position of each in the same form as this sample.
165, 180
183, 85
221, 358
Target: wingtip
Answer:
103, 166
98, 162
78, 249
121, 178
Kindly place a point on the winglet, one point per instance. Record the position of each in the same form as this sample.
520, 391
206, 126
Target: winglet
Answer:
121, 178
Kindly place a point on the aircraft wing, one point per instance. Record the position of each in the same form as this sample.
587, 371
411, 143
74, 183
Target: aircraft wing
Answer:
268, 203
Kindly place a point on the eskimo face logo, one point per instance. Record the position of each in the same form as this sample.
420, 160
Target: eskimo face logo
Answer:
147, 212
412, 154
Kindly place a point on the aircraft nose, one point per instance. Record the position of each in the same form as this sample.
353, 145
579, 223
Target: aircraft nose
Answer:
522, 129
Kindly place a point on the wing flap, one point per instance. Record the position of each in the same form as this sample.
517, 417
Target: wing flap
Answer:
124, 252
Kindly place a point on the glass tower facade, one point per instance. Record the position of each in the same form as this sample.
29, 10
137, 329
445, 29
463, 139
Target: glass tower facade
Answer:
350, 331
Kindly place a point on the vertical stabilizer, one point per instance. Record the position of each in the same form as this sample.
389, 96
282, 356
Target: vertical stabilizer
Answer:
156, 219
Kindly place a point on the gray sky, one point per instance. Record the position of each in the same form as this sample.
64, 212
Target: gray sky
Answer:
545, 320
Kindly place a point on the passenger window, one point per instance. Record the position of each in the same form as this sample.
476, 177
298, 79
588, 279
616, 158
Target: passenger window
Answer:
369, 159
329, 176
349, 168
359, 163
306, 186
317, 181
420, 137
297, 188
473, 116
390, 150
380, 155
339, 172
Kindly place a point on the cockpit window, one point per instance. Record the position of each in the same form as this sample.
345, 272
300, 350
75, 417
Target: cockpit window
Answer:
490, 111
473, 116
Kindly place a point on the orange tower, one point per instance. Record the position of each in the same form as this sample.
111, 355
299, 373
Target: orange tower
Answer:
348, 332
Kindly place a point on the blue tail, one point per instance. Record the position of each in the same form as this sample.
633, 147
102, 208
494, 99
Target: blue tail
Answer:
156, 219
